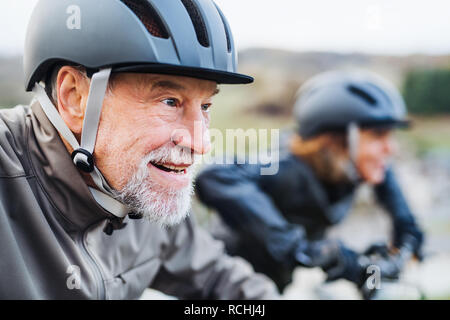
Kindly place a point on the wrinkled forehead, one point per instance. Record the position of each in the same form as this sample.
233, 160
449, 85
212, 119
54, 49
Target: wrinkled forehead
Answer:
161, 82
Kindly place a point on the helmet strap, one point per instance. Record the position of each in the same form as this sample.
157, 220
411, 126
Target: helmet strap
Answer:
82, 155
353, 145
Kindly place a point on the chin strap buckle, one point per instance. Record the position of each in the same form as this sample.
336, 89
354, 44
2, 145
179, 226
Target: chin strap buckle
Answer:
135, 216
83, 160
112, 224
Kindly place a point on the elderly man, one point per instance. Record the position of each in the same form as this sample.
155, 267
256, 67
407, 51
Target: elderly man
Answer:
120, 88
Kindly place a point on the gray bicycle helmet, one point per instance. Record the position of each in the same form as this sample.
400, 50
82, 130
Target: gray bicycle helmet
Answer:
332, 101
179, 37
183, 37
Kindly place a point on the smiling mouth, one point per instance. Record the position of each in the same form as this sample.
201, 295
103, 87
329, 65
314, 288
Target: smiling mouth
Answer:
178, 169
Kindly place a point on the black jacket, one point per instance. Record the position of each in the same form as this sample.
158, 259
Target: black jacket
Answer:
271, 214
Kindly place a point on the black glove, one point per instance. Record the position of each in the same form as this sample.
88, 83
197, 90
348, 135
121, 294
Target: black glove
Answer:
409, 235
379, 254
340, 262
346, 266
359, 268
335, 259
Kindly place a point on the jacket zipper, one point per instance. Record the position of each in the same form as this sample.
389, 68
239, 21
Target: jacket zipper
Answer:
101, 290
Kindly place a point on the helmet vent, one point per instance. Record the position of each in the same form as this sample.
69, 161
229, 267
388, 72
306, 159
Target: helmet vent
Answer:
362, 94
148, 16
197, 21
227, 32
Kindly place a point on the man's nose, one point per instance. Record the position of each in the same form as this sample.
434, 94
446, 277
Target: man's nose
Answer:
193, 134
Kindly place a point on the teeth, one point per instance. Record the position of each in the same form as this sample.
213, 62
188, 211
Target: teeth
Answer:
174, 167
179, 169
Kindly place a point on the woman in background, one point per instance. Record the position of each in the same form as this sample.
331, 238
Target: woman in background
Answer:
344, 138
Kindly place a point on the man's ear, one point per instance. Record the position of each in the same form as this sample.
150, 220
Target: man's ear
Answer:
73, 90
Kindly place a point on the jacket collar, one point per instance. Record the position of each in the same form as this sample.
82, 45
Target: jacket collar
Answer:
60, 179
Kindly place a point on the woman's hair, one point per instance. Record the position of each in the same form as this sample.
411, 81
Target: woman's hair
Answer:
326, 154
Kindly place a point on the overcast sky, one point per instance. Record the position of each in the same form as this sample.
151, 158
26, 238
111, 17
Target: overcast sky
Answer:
374, 26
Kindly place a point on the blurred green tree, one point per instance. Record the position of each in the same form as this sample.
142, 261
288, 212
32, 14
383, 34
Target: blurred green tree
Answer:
427, 91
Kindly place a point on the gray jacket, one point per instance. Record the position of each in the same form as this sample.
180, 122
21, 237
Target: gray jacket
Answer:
52, 244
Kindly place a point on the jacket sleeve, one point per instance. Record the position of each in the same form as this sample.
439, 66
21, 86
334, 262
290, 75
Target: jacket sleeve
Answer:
235, 193
392, 199
196, 267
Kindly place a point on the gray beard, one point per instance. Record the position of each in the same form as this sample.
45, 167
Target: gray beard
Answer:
158, 204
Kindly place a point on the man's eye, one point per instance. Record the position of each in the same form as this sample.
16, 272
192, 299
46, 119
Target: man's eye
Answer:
172, 102
205, 107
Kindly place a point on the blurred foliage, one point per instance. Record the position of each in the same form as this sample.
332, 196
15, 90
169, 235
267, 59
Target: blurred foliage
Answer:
427, 91
427, 133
